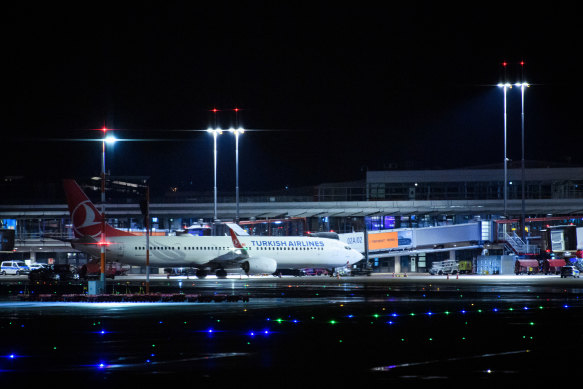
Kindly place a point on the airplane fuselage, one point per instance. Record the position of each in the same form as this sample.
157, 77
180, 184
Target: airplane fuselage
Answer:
198, 251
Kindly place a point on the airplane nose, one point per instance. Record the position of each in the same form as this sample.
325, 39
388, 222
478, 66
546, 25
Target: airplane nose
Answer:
355, 256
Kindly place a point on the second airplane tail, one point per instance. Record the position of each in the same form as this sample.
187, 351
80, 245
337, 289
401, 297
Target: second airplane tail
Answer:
86, 219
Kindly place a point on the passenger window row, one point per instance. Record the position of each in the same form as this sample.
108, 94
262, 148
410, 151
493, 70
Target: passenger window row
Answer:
158, 248
227, 248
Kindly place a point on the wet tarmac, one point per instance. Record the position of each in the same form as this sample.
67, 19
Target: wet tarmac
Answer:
308, 331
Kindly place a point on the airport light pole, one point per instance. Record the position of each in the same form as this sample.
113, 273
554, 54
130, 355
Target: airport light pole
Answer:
505, 87
146, 212
237, 132
522, 86
107, 139
215, 132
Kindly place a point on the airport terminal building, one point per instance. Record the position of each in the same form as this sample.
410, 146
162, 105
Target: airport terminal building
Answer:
404, 220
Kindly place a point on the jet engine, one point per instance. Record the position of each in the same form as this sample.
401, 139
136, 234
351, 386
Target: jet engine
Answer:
259, 266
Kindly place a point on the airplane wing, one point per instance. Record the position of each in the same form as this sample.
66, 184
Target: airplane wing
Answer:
240, 257
234, 257
57, 237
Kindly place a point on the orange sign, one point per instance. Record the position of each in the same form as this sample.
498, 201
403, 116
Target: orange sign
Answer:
383, 240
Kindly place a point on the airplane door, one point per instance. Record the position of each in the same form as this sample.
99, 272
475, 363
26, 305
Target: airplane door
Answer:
114, 250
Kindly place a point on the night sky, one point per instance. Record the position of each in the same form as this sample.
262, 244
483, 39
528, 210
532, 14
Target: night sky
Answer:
325, 91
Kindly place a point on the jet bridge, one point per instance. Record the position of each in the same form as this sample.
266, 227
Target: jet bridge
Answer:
413, 241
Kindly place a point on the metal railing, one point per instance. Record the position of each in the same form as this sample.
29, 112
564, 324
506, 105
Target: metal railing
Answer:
516, 244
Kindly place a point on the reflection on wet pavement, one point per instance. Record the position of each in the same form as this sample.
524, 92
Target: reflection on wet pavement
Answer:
319, 330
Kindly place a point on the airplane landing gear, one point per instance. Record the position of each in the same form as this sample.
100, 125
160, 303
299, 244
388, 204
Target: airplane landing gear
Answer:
221, 273
201, 273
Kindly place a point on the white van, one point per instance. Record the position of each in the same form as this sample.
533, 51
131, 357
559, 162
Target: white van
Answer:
14, 267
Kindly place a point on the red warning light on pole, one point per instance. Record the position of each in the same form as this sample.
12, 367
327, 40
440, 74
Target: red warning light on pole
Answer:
214, 110
504, 63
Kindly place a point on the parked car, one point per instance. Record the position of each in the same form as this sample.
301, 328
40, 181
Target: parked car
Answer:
14, 267
569, 271
35, 266
43, 274
54, 273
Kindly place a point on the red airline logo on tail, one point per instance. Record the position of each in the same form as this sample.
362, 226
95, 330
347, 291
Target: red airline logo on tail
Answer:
86, 221
85, 217
236, 242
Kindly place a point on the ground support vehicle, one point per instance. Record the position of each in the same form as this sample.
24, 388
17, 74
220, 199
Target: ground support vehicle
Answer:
315, 272
465, 267
449, 266
93, 270
553, 266
365, 271
526, 266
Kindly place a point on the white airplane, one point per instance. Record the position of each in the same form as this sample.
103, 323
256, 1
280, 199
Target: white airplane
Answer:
254, 254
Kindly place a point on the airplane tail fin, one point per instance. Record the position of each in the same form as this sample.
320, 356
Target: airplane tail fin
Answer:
237, 229
85, 217
236, 242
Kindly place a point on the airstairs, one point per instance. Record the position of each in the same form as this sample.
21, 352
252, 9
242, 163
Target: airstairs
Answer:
513, 243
